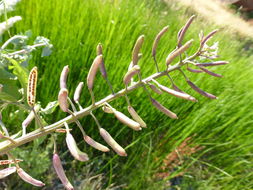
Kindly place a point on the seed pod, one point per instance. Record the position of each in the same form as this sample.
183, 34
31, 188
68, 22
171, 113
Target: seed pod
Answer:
107, 109
176, 93
194, 70
30, 117
131, 64
163, 109
60, 172
78, 92
210, 72
155, 89
93, 71
5, 162
129, 75
112, 143
31, 88
216, 63
74, 150
95, 144
177, 89
205, 39
178, 51
184, 29
127, 121
27, 178
197, 89
63, 99
136, 117
61, 130
64, 76
102, 66
6, 172
157, 39
136, 49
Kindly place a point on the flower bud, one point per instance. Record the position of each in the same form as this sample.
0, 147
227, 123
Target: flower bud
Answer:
136, 117
93, 71
129, 75
136, 49
27, 178
197, 89
60, 172
163, 109
78, 92
64, 76
95, 144
127, 121
7, 171
63, 99
102, 65
112, 143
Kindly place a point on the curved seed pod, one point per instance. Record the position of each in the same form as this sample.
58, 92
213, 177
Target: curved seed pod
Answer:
178, 51
183, 30
107, 109
197, 89
175, 87
78, 92
64, 76
127, 121
129, 75
206, 38
210, 72
131, 64
31, 88
176, 93
27, 178
155, 89
216, 63
136, 49
93, 70
63, 99
163, 109
102, 66
60, 172
74, 150
95, 144
194, 70
136, 117
157, 39
5, 162
31, 116
112, 143
6, 172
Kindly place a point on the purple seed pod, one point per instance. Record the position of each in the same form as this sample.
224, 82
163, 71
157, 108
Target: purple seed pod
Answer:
194, 70
163, 109
183, 30
95, 144
210, 72
136, 117
27, 178
176, 93
6, 172
74, 150
216, 63
78, 92
60, 172
197, 89
63, 99
112, 143
31, 87
155, 89
102, 66
206, 38
129, 75
64, 76
157, 39
136, 49
178, 51
30, 116
107, 109
93, 71
175, 87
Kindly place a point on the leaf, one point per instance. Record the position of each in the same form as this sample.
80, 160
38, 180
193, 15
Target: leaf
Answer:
7, 97
50, 108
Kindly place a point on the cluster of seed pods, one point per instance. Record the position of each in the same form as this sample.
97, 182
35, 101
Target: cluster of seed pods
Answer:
136, 123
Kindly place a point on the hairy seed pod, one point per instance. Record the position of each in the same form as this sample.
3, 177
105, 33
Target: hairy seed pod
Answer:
183, 30
74, 150
210, 72
102, 65
155, 89
107, 109
129, 75
27, 178
136, 49
63, 99
78, 92
112, 143
178, 51
163, 109
194, 70
215, 63
6, 172
127, 121
60, 172
95, 144
131, 64
197, 89
31, 88
157, 39
5, 162
176, 93
206, 38
93, 70
136, 117
64, 76
30, 116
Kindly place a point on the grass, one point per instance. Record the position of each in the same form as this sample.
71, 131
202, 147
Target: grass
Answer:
223, 126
